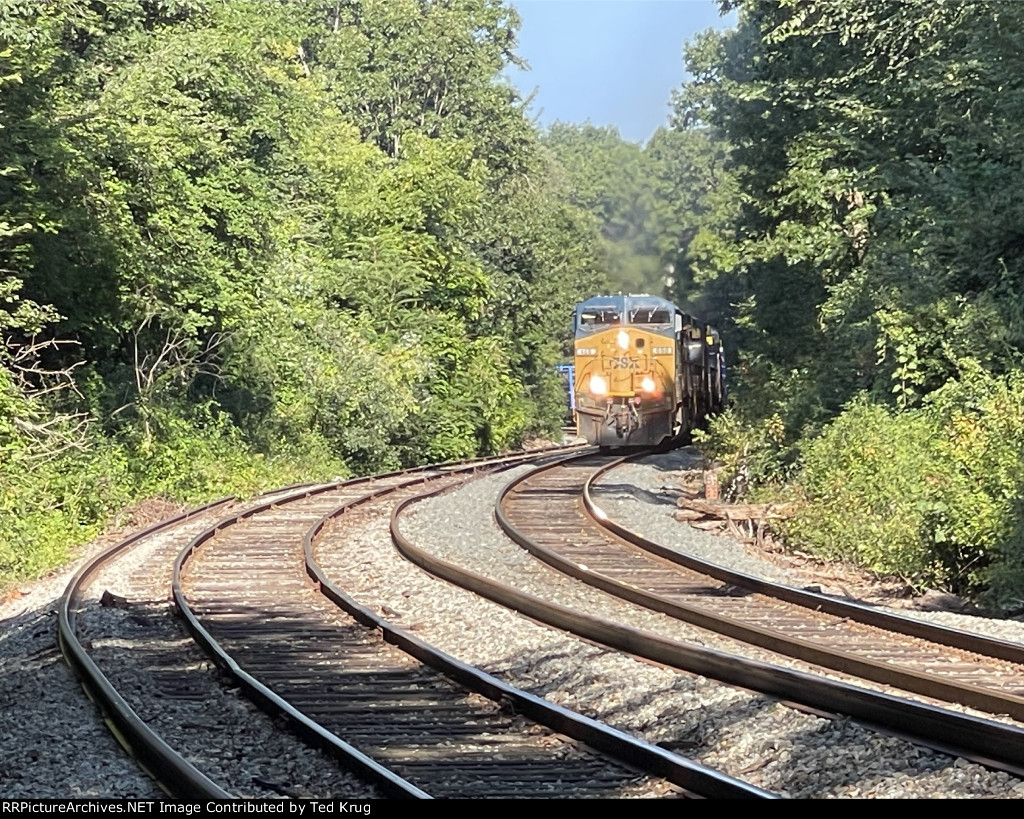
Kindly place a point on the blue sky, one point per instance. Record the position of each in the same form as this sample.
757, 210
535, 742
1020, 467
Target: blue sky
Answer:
614, 62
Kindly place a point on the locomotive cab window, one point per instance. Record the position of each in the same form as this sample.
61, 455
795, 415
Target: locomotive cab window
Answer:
600, 318
650, 315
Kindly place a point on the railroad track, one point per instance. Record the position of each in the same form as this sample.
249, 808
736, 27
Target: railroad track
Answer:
396, 722
136, 661
392, 743
550, 513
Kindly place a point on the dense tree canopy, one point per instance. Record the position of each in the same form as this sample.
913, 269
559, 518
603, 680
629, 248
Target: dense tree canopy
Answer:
654, 205
235, 235
876, 257
249, 242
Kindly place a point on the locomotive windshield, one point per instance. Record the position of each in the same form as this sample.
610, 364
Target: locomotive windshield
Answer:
650, 315
598, 316
603, 312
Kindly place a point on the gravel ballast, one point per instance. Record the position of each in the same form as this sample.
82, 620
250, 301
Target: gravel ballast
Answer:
54, 744
48, 721
749, 736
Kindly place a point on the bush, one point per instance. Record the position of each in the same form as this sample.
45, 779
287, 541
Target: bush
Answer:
982, 418
931, 495
48, 506
870, 483
758, 438
752, 453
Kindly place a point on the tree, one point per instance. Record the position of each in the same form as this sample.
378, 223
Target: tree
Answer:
858, 167
876, 148
611, 179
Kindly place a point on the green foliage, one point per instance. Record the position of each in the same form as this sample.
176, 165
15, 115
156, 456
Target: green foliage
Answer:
247, 243
758, 439
612, 179
47, 506
873, 482
696, 206
872, 259
750, 450
662, 210
399, 66
982, 533
932, 495
484, 404
542, 255
869, 193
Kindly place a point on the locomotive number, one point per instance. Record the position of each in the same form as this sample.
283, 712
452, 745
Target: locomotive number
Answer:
623, 362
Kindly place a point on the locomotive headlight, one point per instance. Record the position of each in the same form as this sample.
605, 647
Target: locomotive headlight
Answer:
598, 385
623, 339
647, 385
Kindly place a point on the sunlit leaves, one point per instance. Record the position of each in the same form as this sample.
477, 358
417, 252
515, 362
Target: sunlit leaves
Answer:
877, 148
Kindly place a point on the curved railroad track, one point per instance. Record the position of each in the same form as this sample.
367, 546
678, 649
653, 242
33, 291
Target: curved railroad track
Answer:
550, 513
397, 723
137, 663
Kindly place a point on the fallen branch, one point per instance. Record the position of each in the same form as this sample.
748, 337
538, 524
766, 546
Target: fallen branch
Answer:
733, 511
744, 521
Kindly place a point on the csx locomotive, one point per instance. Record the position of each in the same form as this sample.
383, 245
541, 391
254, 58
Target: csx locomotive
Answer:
645, 372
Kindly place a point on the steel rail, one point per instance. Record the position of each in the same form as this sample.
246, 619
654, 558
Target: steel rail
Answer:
989, 741
773, 639
264, 697
172, 772
678, 770
943, 635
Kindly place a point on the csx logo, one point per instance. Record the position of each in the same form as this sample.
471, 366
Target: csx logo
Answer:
623, 362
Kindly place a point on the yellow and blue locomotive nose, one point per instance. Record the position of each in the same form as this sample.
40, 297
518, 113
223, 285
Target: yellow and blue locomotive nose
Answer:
643, 370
